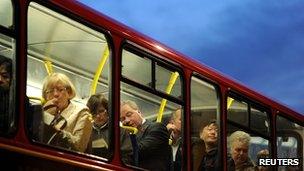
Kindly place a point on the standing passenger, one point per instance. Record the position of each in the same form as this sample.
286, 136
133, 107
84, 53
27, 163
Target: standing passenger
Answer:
70, 120
98, 106
175, 127
152, 139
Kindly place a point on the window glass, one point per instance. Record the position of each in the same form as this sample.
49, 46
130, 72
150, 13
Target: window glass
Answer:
137, 68
146, 71
167, 80
159, 121
289, 141
64, 54
237, 111
259, 121
204, 121
6, 13
7, 84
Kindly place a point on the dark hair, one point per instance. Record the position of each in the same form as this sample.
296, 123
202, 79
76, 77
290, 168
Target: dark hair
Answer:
95, 101
210, 122
7, 63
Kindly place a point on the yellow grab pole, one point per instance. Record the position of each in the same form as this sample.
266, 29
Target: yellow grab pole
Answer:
99, 70
133, 130
48, 66
229, 102
168, 91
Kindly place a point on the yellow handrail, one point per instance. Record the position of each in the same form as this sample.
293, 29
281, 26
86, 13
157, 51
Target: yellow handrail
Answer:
99, 70
168, 91
229, 102
132, 130
48, 66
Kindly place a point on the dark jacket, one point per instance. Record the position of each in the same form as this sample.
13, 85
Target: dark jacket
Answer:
100, 140
154, 151
248, 165
210, 162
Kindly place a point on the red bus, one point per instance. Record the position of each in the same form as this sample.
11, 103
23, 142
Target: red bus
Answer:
101, 55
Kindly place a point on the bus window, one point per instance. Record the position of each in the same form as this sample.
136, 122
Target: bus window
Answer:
205, 116
157, 116
59, 46
6, 13
290, 137
155, 75
237, 111
7, 84
261, 117
248, 128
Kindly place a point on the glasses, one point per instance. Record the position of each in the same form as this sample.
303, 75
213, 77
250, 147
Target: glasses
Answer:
51, 91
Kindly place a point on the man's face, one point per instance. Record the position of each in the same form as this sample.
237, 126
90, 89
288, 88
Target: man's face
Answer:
130, 116
239, 152
177, 121
209, 134
5, 78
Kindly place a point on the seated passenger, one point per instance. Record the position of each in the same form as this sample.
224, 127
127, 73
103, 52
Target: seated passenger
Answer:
210, 161
98, 106
153, 148
239, 144
5, 82
70, 121
174, 127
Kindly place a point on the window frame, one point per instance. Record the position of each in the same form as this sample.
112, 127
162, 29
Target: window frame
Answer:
108, 37
219, 114
251, 104
155, 60
12, 33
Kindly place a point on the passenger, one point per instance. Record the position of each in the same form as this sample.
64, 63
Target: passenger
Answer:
5, 73
5, 82
71, 121
98, 106
153, 148
239, 144
174, 127
263, 154
210, 161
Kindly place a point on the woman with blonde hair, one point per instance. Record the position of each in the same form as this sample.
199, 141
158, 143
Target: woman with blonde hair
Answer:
71, 121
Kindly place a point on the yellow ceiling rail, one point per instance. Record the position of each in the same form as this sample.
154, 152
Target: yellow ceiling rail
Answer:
132, 130
229, 102
99, 69
168, 91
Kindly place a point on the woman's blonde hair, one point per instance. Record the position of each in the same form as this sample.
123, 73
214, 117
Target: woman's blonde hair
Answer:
56, 78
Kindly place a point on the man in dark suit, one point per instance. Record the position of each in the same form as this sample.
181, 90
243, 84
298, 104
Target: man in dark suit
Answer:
154, 152
175, 128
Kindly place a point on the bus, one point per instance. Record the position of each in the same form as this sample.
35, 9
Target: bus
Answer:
101, 55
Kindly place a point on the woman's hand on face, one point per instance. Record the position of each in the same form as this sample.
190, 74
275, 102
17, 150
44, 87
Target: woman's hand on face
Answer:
51, 107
